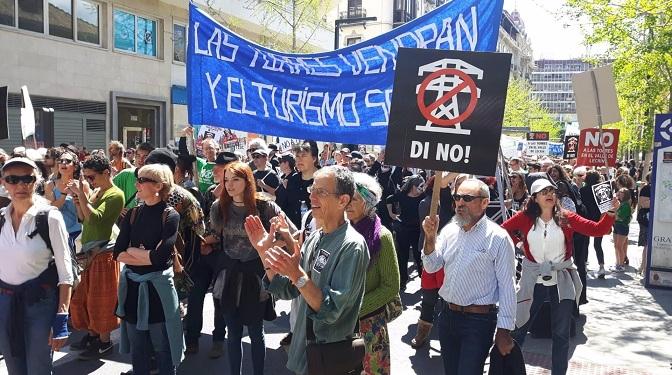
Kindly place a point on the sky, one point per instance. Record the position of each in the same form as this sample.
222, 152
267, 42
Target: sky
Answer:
553, 34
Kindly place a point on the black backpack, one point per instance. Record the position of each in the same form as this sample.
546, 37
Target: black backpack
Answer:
42, 229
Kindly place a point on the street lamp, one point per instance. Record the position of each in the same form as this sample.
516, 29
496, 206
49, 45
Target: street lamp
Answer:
344, 21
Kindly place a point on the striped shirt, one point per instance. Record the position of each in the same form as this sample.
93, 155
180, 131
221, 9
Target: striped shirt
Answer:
479, 268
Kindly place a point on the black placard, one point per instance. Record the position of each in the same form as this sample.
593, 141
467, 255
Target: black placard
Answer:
571, 146
447, 110
4, 122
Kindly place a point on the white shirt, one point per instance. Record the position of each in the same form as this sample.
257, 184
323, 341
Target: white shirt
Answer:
547, 248
24, 258
479, 267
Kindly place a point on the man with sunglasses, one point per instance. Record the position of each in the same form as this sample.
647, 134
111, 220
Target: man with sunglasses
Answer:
98, 203
478, 290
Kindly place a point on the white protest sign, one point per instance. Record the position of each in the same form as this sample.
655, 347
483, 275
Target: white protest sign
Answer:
539, 148
286, 144
603, 196
595, 96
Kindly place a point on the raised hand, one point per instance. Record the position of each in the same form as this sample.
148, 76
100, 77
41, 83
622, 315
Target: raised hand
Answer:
431, 226
280, 262
281, 226
260, 239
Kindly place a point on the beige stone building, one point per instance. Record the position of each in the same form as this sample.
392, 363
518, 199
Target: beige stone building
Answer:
109, 69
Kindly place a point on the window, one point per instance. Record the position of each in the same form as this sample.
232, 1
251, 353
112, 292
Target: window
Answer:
88, 22
7, 12
134, 33
31, 15
352, 40
179, 43
60, 18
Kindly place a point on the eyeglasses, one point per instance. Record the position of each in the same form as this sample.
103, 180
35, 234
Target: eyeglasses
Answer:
65, 161
320, 192
466, 197
89, 177
142, 180
14, 180
547, 191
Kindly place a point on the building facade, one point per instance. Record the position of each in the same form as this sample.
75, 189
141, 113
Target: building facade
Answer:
552, 86
392, 13
109, 69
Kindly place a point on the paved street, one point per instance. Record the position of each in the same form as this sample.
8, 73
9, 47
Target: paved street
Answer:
625, 331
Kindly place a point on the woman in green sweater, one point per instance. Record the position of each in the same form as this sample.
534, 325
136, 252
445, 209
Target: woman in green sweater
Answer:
621, 229
382, 275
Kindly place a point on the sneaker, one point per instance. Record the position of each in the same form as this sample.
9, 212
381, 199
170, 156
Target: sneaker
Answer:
84, 343
97, 350
217, 350
601, 272
626, 261
287, 340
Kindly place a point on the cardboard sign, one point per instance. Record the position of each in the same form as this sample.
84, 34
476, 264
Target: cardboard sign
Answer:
603, 196
571, 147
287, 144
4, 123
447, 110
595, 94
539, 148
659, 268
592, 152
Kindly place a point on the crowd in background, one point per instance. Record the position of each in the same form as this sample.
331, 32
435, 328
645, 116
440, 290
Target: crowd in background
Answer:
141, 235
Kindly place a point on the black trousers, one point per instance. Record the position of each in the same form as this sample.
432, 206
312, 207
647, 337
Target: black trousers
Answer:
407, 238
580, 258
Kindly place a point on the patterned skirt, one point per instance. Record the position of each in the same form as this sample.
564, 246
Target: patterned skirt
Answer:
95, 298
377, 342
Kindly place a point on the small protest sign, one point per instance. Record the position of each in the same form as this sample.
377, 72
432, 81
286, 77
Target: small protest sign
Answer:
592, 152
571, 147
603, 196
447, 110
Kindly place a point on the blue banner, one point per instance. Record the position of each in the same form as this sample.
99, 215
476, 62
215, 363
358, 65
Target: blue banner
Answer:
338, 96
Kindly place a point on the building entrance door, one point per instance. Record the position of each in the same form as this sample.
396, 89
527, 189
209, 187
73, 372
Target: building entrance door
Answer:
137, 124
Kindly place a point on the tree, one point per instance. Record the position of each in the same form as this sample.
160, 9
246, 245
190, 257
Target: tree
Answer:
639, 35
522, 109
302, 17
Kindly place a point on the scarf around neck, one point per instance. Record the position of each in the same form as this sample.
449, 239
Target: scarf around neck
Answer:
370, 228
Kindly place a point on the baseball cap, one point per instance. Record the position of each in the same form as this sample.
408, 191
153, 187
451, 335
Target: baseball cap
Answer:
286, 157
226, 157
540, 185
356, 155
260, 151
19, 161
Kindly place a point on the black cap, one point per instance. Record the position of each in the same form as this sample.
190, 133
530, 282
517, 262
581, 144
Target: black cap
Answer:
286, 157
226, 157
356, 155
162, 156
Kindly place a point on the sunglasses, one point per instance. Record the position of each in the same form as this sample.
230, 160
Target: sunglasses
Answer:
65, 161
14, 180
142, 180
466, 197
548, 190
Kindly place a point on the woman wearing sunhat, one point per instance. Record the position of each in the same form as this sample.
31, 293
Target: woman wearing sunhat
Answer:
546, 231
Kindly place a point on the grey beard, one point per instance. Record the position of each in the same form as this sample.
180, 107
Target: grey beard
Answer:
462, 221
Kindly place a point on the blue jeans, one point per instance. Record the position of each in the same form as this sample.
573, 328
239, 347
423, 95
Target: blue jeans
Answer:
561, 318
466, 340
144, 343
235, 344
202, 274
37, 326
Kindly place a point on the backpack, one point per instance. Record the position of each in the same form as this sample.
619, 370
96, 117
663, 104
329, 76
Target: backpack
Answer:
42, 229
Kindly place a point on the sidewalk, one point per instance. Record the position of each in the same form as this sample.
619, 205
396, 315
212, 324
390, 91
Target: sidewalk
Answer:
626, 330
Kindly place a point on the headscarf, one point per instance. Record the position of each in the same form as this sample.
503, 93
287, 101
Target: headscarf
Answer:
370, 225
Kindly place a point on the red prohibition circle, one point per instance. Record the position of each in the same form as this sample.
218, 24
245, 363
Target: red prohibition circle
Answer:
426, 110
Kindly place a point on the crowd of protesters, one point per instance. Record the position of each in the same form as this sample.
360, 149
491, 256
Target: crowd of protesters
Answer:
135, 238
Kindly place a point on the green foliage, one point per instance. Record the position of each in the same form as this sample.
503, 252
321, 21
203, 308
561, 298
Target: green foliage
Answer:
639, 34
302, 18
522, 109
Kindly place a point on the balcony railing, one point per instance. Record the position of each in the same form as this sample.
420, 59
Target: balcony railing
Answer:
353, 12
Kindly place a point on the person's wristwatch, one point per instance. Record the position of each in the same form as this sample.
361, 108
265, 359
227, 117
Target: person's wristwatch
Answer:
301, 281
